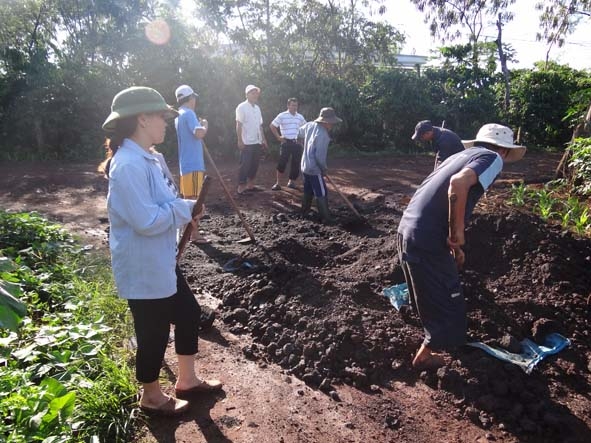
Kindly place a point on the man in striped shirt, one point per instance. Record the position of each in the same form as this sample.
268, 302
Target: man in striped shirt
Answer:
285, 128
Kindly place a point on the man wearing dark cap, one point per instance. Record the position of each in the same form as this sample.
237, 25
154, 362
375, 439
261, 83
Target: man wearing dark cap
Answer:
444, 142
315, 136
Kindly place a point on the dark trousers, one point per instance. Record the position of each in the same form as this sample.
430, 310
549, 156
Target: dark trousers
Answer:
294, 150
152, 320
249, 163
434, 286
315, 185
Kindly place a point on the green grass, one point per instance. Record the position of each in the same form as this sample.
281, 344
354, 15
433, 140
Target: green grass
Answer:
63, 372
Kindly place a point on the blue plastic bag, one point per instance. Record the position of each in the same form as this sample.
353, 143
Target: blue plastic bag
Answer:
398, 295
531, 353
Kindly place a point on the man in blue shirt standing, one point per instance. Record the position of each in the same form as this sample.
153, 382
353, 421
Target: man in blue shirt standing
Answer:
190, 131
431, 236
316, 139
444, 142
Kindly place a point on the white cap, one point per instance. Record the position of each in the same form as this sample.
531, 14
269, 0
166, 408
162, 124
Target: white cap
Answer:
183, 92
250, 88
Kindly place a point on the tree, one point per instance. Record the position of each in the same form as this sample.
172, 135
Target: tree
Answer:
560, 18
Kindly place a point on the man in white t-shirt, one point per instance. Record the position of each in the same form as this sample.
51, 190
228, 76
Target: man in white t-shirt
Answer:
288, 122
251, 138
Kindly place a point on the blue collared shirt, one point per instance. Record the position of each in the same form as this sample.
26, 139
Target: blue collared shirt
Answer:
144, 215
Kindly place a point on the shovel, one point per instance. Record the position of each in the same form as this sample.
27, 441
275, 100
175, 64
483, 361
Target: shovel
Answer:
344, 198
250, 238
196, 210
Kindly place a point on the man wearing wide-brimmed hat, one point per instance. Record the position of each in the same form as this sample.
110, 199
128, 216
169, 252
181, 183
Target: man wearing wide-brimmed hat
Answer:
431, 236
315, 136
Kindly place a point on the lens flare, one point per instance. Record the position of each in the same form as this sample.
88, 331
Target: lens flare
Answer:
158, 32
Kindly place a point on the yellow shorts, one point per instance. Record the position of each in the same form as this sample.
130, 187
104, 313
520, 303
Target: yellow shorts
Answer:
191, 184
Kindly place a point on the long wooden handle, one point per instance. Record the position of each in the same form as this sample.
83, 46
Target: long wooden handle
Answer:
343, 196
227, 192
196, 210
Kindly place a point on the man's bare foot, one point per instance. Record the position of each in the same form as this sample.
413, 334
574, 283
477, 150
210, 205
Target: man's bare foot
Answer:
426, 359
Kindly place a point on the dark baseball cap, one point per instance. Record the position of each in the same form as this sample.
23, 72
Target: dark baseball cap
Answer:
422, 127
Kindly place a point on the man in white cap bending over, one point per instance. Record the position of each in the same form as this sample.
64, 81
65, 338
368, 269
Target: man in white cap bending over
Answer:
431, 236
251, 138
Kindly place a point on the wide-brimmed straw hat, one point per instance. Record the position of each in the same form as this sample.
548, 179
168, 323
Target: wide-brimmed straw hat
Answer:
498, 135
328, 115
135, 101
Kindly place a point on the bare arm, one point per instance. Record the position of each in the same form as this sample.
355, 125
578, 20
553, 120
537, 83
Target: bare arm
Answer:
276, 133
200, 132
239, 135
457, 193
264, 140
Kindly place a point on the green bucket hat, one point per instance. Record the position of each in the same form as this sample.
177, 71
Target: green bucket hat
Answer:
134, 101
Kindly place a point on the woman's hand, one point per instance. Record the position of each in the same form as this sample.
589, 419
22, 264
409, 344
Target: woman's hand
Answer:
195, 220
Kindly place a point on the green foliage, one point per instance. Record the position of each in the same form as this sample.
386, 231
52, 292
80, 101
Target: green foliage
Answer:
542, 98
580, 166
62, 61
59, 380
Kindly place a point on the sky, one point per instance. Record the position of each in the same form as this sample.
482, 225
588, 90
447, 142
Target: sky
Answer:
520, 33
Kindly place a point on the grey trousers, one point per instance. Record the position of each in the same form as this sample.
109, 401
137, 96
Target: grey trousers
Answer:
434, 286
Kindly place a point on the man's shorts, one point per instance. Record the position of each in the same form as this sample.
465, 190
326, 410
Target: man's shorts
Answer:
191, 184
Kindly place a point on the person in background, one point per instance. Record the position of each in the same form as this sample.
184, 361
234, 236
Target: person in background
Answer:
190, 132
431, 237
144, 215
289, 123
315, 136
251, 138
444, 142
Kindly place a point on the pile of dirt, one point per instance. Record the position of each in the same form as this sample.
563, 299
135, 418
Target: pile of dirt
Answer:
310, 296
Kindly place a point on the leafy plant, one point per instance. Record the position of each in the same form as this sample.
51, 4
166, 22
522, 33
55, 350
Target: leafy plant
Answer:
545, 203
60, 379
580, 166
518, 194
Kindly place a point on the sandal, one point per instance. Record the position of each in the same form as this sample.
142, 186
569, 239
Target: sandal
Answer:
205, 386
276, 187
173, 406
200, 241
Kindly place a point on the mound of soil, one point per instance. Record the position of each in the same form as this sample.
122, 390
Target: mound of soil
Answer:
310, 298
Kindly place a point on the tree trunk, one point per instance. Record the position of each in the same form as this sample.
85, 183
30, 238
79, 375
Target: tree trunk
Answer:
503, 60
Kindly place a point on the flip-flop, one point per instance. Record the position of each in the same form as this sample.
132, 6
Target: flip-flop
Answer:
205, 386
173, 406
201, 241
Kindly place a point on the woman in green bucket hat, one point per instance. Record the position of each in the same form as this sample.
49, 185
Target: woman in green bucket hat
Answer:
144, 215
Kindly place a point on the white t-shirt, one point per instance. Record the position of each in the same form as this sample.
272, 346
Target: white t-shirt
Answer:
249, 115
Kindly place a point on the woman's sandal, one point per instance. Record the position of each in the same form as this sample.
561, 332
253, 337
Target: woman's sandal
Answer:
170, 408
202, 387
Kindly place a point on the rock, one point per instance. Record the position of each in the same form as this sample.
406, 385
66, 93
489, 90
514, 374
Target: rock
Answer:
335, 396
543, 327
510, 343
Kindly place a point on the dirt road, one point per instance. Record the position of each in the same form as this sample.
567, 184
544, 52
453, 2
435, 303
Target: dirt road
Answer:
308, 348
